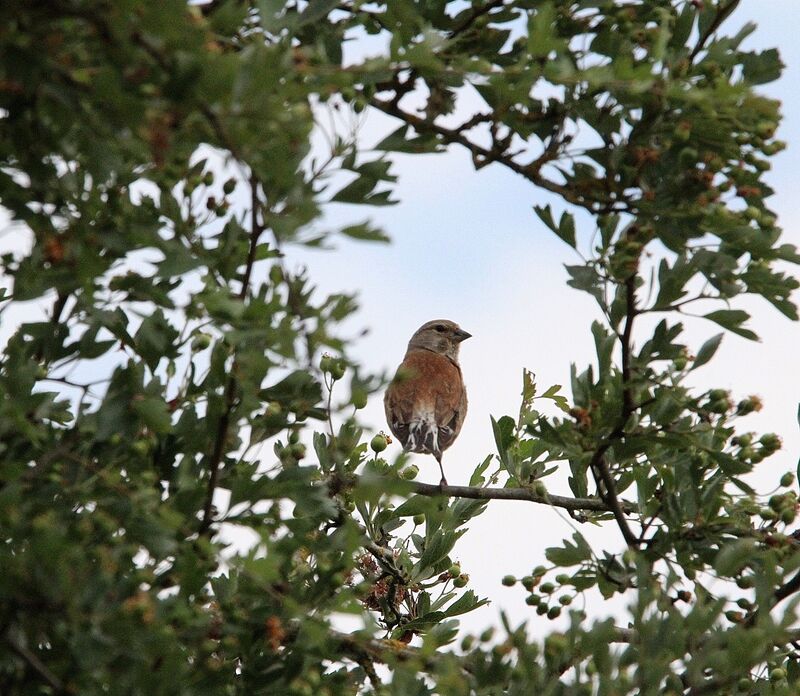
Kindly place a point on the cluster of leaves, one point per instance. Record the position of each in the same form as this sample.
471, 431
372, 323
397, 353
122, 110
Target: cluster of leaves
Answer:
158, 157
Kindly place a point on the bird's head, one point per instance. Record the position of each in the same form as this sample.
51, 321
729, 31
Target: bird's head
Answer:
440, 336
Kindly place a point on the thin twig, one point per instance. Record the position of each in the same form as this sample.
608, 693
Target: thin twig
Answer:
722, 14
35, 664
526, 494
469, 20
223, 424
55, 317
482, 156
599, 466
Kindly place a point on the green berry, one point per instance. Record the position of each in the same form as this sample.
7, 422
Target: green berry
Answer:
509, 580
771, 442
359, 399
547, 587
682, 131
777, 674
553, 612
409, 473
276, 276
787, 479
688, 157
378, 443
201, 342
419, 519
752, 212
528, 582
338, 369
776, 502
454, 570
533, 600
460, 581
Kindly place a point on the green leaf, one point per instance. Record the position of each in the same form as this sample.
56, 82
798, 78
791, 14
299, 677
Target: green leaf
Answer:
415, 505
566, 229
437, 547
365, 232
154, 412
732, 319
356, 191
466, 602
734, 556
503, 430
707, 351
316, 10
571, 554
155, 339
759, 68
546, 216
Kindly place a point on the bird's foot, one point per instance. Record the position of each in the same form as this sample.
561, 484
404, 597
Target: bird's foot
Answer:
443, 483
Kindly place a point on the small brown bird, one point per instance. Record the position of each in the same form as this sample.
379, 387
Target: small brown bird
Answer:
426, 401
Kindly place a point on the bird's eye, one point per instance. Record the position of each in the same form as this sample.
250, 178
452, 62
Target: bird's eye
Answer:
441, 328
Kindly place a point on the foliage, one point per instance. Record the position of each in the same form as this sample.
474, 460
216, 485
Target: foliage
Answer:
159, 157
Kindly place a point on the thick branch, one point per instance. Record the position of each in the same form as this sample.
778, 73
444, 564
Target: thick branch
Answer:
526, 494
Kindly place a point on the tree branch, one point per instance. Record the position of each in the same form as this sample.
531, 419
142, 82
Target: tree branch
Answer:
608, 493
599, 466
628, 406
526, 494
722, 14
55, 317
35, 664
469, 20
223, 424
482, 156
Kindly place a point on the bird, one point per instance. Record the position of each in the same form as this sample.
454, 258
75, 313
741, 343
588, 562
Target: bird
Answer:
426, 401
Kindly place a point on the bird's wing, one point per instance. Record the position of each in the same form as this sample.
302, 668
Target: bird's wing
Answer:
426, 402
398, 403
451, 408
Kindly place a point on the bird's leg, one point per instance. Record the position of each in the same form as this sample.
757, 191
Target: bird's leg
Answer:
443, 482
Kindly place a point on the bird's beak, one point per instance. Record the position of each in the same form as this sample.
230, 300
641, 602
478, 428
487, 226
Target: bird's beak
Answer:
461, 335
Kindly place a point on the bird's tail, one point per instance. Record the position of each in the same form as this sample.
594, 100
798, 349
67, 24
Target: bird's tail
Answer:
423, 437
